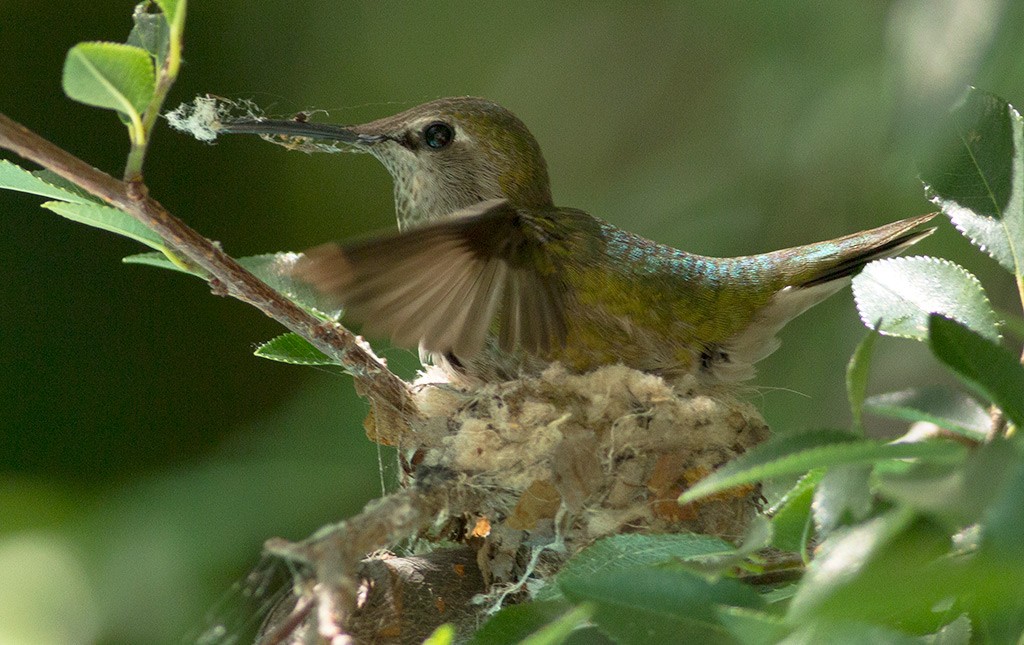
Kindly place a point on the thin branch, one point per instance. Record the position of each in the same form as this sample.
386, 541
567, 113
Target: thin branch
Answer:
372, 378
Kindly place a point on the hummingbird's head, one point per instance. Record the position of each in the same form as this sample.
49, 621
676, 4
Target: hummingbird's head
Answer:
452, 153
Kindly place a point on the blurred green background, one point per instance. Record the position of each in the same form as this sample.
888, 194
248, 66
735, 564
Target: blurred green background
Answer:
145, 454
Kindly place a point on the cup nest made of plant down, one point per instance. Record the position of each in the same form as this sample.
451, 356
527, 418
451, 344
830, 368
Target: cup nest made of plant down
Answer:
506, 481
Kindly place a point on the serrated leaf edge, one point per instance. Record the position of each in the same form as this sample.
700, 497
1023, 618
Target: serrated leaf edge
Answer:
929, 259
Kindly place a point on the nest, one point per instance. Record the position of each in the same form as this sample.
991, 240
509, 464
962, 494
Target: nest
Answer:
520, 475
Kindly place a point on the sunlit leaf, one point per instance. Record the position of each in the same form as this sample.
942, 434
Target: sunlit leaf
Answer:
14, 177
631, 550
957, 632
108, 219
276, 269
110, 75
293, 349
272, 268
848, 632
981, 364
978, 178
902, 292
945, 407
844, 493
443, 635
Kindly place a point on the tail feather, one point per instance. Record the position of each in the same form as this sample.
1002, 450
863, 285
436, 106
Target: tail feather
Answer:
833, 265
851, 265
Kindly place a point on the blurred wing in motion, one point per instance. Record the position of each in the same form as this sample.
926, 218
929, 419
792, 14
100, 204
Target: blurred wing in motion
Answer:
442, 285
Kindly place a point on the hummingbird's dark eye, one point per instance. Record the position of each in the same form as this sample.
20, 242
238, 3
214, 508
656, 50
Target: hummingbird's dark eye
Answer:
438, 135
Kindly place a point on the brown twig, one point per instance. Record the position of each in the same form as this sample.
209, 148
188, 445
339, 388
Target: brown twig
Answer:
372, 378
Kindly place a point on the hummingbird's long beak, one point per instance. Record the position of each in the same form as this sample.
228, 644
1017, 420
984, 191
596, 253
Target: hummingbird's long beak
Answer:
289, 128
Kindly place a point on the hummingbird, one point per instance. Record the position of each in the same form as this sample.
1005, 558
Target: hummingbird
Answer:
492, 280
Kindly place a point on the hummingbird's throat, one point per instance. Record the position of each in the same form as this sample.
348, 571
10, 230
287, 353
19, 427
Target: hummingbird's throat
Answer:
422, 196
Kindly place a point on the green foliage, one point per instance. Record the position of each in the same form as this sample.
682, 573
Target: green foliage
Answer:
945, 407
443, 635
294, 349
73, 204
660, 605
40, 183
133, 78
902, 292
984, 366
978, 179
112, 76
857, 376
797, 453
536, 623
792, 520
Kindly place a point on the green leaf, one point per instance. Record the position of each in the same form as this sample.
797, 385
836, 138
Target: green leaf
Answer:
857, 376
978, 178
902, 292
957, 632
981, 364
797, 453
885, 570
443, 635
151, 32
14, 177
843, 494
110, 75
632, 550
272, 268
1013, 323
158, 260
792, 514
515, 623
845, 632
558, 630
1003, 523
946, 408
293, 349
753, 627
108, 219
956, 494
173, 9
275, 269
629, 551
660, 605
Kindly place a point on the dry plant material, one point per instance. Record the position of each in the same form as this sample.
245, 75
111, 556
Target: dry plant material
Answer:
524, 474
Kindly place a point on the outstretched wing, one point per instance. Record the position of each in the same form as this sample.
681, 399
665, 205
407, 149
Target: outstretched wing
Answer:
442, 285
